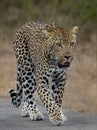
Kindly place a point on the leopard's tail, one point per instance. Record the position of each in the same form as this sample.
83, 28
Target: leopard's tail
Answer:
16, 97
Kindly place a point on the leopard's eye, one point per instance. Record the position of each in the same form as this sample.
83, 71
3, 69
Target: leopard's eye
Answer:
59, 44
72, 43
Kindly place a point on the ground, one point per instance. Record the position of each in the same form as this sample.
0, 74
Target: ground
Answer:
81, 88
10, 119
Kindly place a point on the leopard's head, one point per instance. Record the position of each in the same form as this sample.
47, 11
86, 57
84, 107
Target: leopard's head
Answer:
60, 44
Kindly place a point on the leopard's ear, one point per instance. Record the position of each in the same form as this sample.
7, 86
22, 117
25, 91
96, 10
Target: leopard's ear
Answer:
75, 30
49, 29
46, 34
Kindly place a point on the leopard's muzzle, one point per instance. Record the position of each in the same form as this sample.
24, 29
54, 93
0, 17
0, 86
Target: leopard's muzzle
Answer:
64, 65
66, 62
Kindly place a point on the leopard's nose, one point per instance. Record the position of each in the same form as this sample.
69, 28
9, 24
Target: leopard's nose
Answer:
67, 57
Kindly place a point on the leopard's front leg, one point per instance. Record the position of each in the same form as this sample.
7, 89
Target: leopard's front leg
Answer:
55, 113
59, 77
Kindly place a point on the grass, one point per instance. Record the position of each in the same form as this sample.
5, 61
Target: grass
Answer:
68, 13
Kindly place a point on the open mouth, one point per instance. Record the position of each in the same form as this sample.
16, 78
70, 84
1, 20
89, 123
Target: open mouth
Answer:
66, 64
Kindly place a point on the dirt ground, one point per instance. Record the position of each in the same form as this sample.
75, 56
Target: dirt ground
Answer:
81, 89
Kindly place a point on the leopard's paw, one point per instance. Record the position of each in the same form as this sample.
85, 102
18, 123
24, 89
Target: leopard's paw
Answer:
25, 110
25, 113
57, 118
36, 116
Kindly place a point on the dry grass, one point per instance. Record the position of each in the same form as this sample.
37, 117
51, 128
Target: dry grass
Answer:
81, 89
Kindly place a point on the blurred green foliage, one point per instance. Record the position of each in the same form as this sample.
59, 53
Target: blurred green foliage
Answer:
83, 13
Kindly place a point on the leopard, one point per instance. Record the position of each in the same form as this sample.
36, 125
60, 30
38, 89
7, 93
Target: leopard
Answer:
44, 52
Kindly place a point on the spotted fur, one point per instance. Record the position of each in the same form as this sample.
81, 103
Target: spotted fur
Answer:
43, 52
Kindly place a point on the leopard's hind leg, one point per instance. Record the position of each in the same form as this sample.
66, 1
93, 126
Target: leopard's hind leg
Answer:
29, 85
